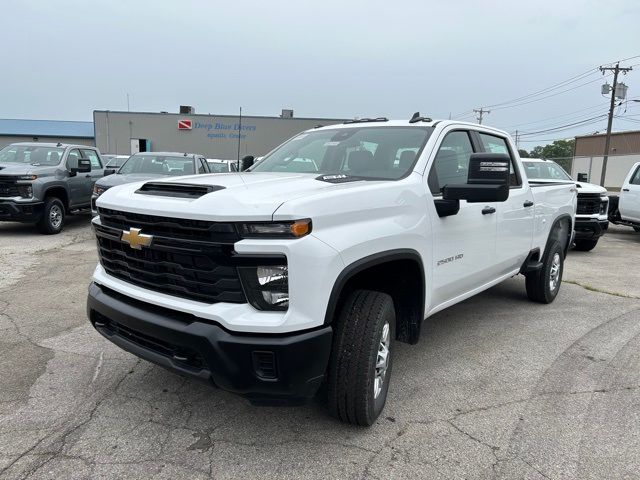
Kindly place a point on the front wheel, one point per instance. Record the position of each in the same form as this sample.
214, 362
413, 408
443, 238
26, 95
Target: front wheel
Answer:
586, 245
52, 220
361, 357
543, 285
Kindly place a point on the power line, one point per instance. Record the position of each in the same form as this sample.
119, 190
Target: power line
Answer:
480, 113
567, 126
600, 105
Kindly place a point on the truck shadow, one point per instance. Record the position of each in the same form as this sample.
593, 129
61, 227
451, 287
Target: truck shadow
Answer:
73, 223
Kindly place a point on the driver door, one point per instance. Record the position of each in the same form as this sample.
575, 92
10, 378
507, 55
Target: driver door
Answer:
464, 244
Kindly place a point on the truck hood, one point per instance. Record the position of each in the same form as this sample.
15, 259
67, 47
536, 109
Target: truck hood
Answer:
589, 188
24, 169
244, 196
117, 179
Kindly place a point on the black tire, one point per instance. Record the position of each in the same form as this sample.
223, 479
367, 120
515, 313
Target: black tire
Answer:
586, 245
53, 217
351, 379
539, 283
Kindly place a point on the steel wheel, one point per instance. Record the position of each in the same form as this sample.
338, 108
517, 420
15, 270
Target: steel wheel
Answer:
554, 273
55, 216
382, 362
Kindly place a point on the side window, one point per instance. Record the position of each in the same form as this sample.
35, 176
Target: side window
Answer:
72, 158
493, 144
635, 178
451, 164
202, 168
93, 156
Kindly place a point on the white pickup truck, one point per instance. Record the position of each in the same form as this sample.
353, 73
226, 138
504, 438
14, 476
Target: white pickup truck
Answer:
593, 201
625, 209
305, 270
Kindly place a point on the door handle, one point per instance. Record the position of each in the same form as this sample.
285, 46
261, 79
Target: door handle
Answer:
488, 210
625, 189
528, 203
87, 176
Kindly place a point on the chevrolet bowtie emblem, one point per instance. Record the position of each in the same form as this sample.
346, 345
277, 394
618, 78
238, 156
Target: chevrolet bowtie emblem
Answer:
135, 239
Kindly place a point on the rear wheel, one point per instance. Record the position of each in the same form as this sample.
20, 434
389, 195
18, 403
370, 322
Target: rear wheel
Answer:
52, 220
543, 285
361, 357
586, 245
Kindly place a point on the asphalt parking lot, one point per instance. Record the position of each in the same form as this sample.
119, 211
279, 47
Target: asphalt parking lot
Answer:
497, 387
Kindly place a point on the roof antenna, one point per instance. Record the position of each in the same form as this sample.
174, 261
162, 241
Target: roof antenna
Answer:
415, 116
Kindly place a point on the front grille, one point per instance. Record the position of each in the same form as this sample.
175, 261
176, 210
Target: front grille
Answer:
8, 189
177, 353
173, 264
588, 204
178, 228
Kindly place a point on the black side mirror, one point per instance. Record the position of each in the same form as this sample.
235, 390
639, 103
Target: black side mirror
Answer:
246, 162
79, 165
109, 171
487, 181
583, 177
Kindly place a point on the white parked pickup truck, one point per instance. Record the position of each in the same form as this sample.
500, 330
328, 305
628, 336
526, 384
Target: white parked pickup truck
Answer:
593, 201
625, 209
307, 268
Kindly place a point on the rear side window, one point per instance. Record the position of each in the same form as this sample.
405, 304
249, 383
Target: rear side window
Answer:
635, 180
493, 144
451, 165
93, 157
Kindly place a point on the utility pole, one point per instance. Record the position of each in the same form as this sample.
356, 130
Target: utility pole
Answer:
612, 105
239, 135
480, 113
517, 146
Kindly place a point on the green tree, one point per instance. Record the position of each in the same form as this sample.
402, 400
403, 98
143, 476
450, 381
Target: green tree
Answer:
561, 151
523, 153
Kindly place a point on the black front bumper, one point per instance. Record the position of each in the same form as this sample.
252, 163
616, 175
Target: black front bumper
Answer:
263, 368
20, 212
590, 229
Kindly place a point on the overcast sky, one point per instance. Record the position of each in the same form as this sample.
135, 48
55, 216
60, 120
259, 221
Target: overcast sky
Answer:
63, 59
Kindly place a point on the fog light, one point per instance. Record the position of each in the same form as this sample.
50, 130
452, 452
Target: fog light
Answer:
25, 191
266, 287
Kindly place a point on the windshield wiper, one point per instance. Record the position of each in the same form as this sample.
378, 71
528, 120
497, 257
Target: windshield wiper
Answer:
340, 178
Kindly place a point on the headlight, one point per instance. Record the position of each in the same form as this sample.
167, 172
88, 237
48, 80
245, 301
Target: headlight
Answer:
266, 287
25, 191
99, 190
290, 229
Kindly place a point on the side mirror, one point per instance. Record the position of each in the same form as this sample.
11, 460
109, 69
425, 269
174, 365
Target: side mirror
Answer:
109, 171
487, 181
79, 165
246, 162
583, 177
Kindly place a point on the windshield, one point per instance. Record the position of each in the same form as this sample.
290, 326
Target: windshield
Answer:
218, 167
545, 171
158, 164
385, 153
116, 162
31, 155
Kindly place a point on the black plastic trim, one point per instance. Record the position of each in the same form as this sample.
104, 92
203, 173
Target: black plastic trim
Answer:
367, 262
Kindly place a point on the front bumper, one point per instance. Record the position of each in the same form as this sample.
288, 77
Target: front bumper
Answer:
590, 228
12, 211
263, 368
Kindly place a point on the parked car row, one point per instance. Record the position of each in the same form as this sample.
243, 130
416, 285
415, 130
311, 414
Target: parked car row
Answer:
43, 183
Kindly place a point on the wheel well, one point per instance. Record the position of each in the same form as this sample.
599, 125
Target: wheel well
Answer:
58, 192
561, 231
401, 278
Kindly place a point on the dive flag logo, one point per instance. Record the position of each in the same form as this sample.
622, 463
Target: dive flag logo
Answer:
185, 124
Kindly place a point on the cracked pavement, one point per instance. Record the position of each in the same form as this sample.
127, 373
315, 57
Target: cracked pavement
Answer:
498, 387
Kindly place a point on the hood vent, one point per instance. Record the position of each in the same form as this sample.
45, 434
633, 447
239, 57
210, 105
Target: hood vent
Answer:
177, 190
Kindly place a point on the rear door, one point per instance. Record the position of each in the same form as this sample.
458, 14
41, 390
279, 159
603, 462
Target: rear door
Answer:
515, 216
629, 204
463, 244
79, 184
